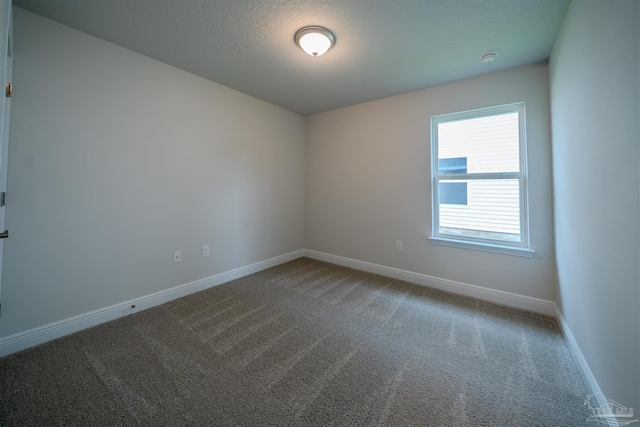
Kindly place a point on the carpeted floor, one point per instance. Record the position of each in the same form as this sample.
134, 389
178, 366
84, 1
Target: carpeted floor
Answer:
304, 343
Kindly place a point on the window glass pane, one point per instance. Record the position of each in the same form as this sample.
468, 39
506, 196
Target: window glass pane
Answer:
452, 193
491, 211
452, 165
488, 144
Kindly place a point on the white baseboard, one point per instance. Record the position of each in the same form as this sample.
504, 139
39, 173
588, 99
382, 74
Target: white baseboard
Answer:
593, 389
42, 334
536, 305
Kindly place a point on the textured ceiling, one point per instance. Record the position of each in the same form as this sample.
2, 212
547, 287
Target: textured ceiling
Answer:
383, 47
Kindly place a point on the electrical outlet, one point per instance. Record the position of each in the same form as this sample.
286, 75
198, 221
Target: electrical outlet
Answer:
177, 256
399, 245
205, 251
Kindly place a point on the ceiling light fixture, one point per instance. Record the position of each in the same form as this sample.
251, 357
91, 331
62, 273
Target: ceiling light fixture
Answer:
315, 40
488, 56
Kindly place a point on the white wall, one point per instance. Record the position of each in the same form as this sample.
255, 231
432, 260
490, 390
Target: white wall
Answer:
595, 104
117, 160
368, 183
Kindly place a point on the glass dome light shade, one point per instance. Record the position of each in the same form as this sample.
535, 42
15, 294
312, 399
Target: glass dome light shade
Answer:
315, 41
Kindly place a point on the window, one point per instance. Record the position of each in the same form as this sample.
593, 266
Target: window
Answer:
479, 180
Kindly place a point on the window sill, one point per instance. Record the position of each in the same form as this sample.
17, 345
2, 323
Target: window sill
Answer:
498, 249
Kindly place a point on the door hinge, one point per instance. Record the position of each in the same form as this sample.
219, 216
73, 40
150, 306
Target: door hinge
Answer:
3, 198
8, 89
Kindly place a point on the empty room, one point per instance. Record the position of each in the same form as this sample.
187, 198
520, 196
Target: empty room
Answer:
309, 213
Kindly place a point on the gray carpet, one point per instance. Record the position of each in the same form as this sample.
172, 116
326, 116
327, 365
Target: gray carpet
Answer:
304, 343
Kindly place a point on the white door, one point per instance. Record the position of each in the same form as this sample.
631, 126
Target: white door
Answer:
6, 67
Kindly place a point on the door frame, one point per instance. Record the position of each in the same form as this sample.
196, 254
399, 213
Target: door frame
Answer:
6, 74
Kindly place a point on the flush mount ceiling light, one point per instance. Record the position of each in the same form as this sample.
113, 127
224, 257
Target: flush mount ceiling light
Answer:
488, 56
315, 40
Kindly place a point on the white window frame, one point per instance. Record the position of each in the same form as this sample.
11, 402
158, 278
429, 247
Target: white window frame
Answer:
521, 248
